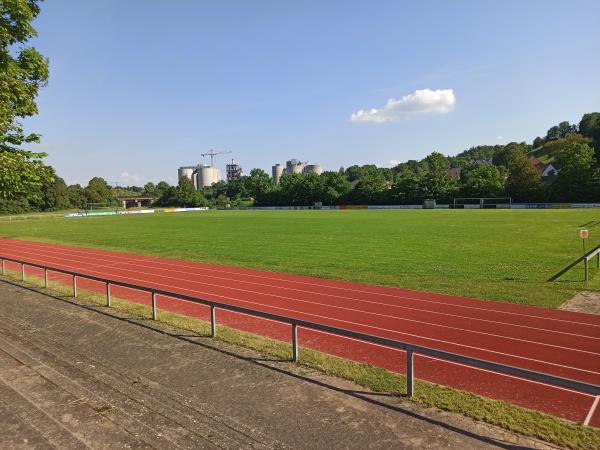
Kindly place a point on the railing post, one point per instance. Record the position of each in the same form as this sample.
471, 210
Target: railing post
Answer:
75, 286
3, 268
598, 260
586, 264
45, 278
107, 294
154, 306
410, 376
295, 354
22, 272
213, 321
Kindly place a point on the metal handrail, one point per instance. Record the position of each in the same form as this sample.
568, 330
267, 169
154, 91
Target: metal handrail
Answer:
410, 349
586, 264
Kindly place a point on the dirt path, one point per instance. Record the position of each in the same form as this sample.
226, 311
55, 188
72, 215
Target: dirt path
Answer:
585, 301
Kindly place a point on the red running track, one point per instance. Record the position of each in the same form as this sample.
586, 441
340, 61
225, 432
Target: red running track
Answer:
557, 342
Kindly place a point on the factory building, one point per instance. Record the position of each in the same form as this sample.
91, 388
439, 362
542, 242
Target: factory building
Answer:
201, 176
188, 172
206, 176
313, 168
294, 166
277, 171
233, 171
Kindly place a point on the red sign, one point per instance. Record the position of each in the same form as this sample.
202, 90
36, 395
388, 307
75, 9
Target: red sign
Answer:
583, 234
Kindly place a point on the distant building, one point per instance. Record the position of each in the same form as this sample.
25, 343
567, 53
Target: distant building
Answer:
481, 162
545, 170
294, 166
201, 175
277, 171
189, 172
206, 176
233, 171
313, 168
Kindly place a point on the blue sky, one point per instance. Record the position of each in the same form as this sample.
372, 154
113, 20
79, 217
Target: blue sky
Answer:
138, 88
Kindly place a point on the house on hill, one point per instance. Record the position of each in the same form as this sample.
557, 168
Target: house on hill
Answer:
545, 170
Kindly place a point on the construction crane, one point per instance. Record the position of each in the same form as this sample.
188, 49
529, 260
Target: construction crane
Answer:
212, 155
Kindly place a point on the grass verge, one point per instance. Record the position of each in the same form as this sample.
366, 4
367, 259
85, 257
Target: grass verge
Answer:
503, 414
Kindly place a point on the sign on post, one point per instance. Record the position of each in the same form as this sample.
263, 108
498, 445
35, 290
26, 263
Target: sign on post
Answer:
583, 234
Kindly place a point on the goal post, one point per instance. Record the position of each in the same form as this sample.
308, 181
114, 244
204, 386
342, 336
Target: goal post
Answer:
482, 202
98, 209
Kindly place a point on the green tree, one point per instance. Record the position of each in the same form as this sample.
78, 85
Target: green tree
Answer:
407, 188
577, 178
258, 184
22, 176
162, 187
437, 183
372, 188
150, 189
590, 127
507, 153
98, 191
523, 181
561, 130
481, 181
187, 196
76, 195
335, 187
55, 195
23, 71
302, 190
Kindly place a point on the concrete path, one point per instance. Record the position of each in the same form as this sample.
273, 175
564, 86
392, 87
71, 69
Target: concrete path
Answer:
77, 376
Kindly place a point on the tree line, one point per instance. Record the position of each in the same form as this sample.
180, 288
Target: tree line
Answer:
483, 171
28, 184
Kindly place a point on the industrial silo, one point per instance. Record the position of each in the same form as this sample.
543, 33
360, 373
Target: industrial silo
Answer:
313, 168
207, 176
186, 171
277, 171
297, 168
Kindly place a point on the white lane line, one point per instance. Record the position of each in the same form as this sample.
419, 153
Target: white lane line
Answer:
245, 291
116, 265
235, 300
591, 412
161, 261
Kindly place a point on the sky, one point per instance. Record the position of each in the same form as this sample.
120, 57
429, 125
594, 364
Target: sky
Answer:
140, 87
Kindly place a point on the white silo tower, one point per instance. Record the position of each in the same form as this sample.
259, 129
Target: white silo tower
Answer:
277, 171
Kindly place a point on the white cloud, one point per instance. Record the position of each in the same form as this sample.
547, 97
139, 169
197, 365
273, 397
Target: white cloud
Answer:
499, 138
129, 178
422, 101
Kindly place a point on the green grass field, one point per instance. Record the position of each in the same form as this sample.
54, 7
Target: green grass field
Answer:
495, 254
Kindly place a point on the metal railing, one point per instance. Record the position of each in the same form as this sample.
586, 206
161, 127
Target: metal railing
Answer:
410, 349
586, 261
586, 264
